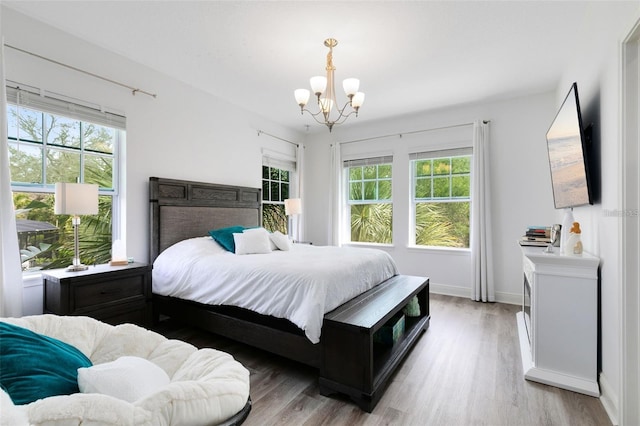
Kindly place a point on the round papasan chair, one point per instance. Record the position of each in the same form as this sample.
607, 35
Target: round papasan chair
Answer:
206, 386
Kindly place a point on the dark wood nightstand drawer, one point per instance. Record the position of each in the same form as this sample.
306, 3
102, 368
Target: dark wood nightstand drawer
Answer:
113, 294
135, 312
108, 291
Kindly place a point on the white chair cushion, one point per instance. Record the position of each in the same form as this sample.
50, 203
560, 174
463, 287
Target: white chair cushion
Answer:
207, 386
129, 378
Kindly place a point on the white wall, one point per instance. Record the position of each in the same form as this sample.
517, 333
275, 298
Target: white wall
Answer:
595, 67
520, 180
184, 133
519, 175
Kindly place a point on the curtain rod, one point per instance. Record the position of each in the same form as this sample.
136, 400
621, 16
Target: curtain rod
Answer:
262, 132
411, 133
134, 90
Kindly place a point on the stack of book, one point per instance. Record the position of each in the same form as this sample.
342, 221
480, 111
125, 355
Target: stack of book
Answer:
539, 236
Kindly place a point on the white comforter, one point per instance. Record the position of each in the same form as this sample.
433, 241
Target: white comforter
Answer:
300, 285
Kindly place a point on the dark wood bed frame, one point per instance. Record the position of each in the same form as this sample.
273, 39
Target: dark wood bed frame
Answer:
347, 359
183, 209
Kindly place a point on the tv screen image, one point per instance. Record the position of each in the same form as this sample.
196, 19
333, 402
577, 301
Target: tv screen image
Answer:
567, 155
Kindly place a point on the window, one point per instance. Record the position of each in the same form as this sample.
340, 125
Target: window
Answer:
441, 197
276, 184
369, 199
53, 141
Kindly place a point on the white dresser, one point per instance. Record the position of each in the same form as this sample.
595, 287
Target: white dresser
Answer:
558, 325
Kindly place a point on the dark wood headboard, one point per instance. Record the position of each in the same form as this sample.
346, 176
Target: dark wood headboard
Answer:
181, 209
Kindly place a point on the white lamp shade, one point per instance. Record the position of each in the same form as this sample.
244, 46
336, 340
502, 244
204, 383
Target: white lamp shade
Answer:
318, 84
76, 198
302, 96
351, 86
292, 206
358, 100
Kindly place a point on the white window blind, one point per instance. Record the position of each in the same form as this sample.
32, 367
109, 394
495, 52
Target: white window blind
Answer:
278, 160
455, 152
373, 161
48, 103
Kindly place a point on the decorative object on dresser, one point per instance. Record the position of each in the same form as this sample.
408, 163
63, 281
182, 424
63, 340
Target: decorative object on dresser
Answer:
113, 294
76, 199
558, 324
118, 254
538, 236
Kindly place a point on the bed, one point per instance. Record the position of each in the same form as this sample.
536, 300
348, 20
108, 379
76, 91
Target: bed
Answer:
183, 211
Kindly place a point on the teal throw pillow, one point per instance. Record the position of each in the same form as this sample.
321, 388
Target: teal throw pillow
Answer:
224, 236
35, 366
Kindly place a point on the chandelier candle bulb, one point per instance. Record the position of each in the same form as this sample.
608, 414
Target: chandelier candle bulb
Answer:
357, 101
318, 84
351, 86
302, 96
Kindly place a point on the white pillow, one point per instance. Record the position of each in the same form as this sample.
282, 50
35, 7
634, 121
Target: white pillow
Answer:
128, 378
252, 241
280, 240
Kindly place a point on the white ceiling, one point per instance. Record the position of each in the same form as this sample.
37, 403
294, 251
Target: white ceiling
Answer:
409, 56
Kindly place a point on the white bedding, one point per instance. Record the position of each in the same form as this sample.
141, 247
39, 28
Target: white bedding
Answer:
300, 285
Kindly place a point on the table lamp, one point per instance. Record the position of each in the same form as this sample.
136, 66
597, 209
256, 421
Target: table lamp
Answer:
76, 199
292, 206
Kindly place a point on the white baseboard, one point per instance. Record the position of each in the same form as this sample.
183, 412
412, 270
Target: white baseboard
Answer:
510, 298
449, 290
609, 399
458, 291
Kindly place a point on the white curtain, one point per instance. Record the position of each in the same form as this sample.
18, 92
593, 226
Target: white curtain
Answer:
481, 249
299, 219
335, 196
10, 270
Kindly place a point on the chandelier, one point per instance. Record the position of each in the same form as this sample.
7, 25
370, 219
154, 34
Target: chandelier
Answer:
324, 89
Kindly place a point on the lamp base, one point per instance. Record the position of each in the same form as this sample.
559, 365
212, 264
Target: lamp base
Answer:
76, 268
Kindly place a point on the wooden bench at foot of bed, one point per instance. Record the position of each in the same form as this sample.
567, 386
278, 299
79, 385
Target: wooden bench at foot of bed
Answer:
352, 363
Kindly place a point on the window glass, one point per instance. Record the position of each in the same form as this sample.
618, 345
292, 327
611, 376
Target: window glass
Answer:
25, 162
98, 138
370, 200
275, 189
442, 200
62, 131
62, 166
71, 151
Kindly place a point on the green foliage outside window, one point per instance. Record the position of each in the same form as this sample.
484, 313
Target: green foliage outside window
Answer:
45, 149
442, 197
371, 210
275, 189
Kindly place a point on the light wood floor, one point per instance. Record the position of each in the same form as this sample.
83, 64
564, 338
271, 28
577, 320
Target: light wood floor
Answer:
465, 370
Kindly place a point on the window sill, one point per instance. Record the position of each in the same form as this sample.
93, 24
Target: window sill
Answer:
372, 245
32, 279
441, 250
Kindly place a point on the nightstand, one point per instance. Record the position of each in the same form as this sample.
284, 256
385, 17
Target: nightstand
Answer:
113, 294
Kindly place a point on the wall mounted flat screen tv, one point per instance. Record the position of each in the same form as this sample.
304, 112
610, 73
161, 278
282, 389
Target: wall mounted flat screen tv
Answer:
567, 149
